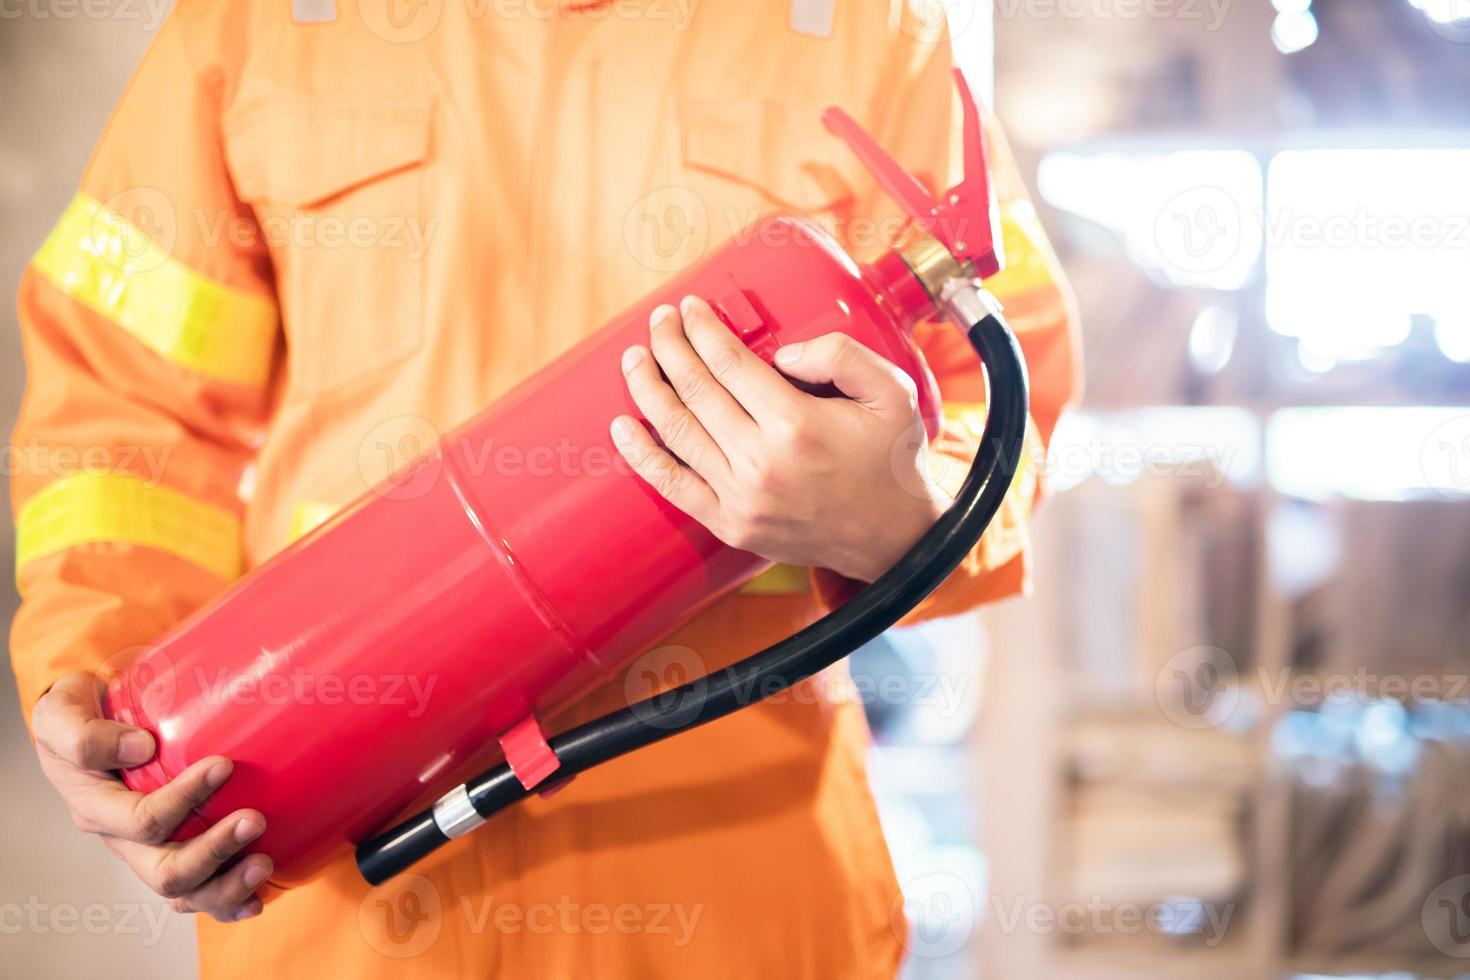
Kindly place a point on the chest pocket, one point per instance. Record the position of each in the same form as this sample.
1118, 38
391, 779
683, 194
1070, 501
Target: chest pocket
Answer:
778, 152
337, 185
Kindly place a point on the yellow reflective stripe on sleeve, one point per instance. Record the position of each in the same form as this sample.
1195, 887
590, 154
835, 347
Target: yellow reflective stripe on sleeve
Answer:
1027, 265
779, 580
103, 261
94, 507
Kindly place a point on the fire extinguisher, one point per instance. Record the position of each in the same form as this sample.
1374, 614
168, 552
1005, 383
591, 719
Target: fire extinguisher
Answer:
509, 595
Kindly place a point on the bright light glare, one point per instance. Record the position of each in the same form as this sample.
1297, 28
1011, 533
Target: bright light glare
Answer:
1212, 338
1303, 548
1357, 241
1453, 339
1369, 453
1446, 11
1293, 30
1292, 6
1313, 360
1190, 216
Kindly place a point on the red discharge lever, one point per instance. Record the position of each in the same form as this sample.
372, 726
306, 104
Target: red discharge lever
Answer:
967, 220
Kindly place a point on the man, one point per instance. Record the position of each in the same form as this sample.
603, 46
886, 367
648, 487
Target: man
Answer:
313, 231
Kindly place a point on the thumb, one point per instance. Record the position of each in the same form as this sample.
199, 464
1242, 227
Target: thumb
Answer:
856, 371
68, 723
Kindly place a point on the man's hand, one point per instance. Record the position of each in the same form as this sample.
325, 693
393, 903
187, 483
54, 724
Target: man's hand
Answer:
838, 483
79, 748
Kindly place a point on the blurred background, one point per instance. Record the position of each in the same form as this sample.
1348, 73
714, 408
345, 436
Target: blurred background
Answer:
1229, 736
67, 908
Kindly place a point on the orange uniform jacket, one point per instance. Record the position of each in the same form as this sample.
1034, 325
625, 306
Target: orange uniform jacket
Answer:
301, 246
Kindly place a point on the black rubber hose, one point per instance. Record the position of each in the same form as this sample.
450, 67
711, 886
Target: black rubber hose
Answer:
872, 611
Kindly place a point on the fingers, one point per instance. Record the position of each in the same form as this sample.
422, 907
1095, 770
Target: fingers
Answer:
78, 747
179, 869
111, 808
188, 874
758, 387
231, 896
68, 723
694, 382
677, 484
860, 374
680, 431
168, 806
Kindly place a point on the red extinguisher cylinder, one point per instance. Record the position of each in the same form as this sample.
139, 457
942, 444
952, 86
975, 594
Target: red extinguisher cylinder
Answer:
512, 567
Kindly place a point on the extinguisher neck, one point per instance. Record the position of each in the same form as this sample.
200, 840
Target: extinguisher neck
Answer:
913, 278
934, 266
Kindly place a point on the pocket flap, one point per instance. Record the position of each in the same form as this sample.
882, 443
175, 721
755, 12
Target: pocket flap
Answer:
303, 151
781, 150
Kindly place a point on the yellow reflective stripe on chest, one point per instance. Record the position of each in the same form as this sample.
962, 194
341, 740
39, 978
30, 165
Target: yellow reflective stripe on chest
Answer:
103, 261
95, 507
